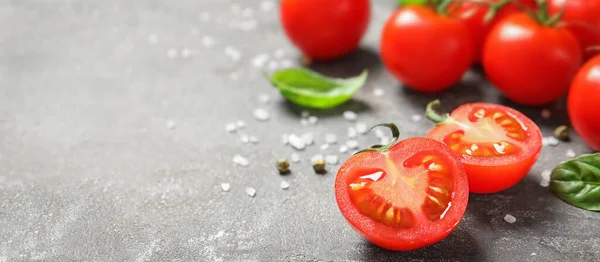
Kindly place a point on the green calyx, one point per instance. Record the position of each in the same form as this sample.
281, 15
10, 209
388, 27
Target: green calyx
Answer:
386, 147
542, 16
432, 112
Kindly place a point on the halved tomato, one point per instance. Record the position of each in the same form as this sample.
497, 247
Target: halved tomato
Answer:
499, 145
403, 196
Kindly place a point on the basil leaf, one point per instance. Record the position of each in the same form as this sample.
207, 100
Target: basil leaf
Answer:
310, 89
577, 181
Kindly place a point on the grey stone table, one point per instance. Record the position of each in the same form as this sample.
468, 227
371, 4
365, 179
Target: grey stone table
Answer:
113, 143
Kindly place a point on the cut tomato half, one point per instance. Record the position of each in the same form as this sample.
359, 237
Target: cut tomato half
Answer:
403, 196
498, 144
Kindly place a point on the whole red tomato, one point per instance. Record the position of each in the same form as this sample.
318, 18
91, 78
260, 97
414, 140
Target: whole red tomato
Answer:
325, 29
473, 16
403, 196
582, 18
529, 62
584, 97
425, 50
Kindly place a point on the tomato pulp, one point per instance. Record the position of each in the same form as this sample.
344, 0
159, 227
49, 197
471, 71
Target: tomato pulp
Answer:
407, 196
582, 103
582, 18
532, 64
325, 29
425, 50
499, 145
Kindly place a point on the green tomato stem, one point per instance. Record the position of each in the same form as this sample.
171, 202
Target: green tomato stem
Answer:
432, 113
384, 148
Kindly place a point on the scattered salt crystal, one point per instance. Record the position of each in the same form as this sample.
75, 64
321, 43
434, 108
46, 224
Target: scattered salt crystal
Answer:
351, 132
253, 140
550, 141
273, 65
233, 53
352, 144
240, 124
331, 159
279, 53
225, 187
546, 113
247, 12
207, 41
251, 191
343, 149
384, 140
230, 128
349, 115
266, 6
544, 183
152, 39
313, 120
264, 98
361, 128
248, 25
308, 138
304, 121
304, 114
170, 124
296, 142
286, 63
533, 254
316, 157
416, 118
295, 158
285, 139
284, 185
509, 218
324, 146
261, 114
260, 60
378, 92
204, 17
571, 153
186, 53
330, 138
240, 160
546, 175
172, 53
379, 133
245, 139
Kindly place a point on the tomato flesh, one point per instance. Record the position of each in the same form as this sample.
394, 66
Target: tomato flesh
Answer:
410, 197
499, 145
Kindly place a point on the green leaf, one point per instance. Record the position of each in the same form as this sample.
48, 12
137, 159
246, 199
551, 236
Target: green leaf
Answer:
577, 181
310, 89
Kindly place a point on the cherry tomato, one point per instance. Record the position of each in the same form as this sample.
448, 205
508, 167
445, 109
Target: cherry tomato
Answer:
583, 100
425, 50
499, 145
403, 196
582, 18
530, 63
325, 29
473, 16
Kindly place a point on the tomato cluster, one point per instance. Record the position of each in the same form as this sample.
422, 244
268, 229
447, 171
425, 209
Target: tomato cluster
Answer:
413, 193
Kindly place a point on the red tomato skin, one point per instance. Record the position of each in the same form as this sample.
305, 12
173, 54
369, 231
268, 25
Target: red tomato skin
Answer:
583, 103
325, 30
582, 18
384, 236
493, 174
530, 63
476, 24
426, 51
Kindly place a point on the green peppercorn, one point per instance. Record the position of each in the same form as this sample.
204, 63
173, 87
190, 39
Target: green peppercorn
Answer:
319, 166
283, 166
562, 133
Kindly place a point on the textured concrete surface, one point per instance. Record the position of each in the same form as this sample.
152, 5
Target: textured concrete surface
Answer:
112, 144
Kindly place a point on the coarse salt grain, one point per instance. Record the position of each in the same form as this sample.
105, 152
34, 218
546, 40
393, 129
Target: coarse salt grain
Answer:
351, 132
172, 53
279, 53
225, 187
343, 149
324, 146
266, 6
207, 41
253, 140
284, 185
361, 128
330, 138
570, 153
378, 92
295, 158
304, 121
544, 183
331, 159
316, 157
416, 118
230, 128
313, 120
233, 53
349, 115
308, 138
264, 98
510, 219
240, 124
186, 53
384, 140
250, 191
261, 114
240, 160
546, 174
285, 139
260, 60
245, 139
170, 124
550, 141
352, 144
296, 142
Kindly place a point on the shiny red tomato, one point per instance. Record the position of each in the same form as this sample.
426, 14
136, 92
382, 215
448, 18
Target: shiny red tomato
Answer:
499, 145
584, 97
582, 18
403, 196
530, 63
425, 50
325, 29
473, 16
